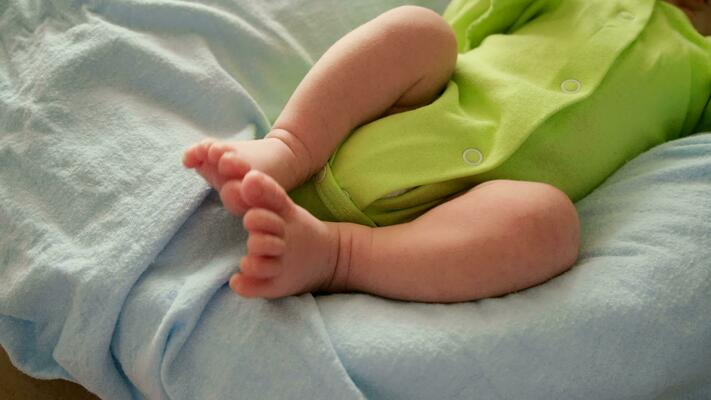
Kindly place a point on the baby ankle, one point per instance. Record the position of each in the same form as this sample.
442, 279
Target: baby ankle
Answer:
302, 156
338, 259
353, 244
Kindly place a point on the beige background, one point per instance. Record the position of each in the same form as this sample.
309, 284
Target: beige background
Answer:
14, 385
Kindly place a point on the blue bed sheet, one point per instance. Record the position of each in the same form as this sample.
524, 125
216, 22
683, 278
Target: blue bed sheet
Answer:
114, 260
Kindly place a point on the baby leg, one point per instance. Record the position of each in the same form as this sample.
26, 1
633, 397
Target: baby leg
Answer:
400, 60
499, 237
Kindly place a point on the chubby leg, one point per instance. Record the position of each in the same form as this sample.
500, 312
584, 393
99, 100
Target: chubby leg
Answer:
497, 238
401, 59
398, 61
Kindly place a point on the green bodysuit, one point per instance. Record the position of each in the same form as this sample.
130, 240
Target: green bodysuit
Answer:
556, 91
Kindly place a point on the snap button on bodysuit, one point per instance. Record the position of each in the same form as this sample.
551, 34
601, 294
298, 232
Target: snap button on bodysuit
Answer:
473, 156
571, 86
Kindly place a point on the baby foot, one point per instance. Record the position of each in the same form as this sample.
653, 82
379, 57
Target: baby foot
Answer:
289, 251
219, 161
196, 156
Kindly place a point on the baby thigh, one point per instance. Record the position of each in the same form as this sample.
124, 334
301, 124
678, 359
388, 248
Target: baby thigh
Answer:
400, 60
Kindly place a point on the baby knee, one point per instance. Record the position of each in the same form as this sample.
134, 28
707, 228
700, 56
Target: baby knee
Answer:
554, 208
425, 28
542, 210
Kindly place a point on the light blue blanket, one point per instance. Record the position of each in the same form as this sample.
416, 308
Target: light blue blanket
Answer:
114, 260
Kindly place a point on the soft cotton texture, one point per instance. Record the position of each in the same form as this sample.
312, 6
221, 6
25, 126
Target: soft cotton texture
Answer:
114, 260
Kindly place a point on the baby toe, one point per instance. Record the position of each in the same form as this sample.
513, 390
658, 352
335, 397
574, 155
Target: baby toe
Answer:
263, 220
262, 244
262, 191
202, 148
231, 196
261, 267
216, 150
246, 286
232, 165
191, 158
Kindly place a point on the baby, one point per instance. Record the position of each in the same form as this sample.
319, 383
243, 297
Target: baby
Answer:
437, 159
